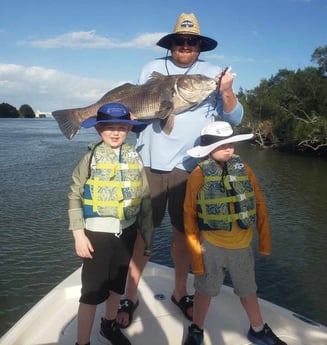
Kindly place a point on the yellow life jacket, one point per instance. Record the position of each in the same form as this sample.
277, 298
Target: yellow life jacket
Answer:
114, 187
224, 185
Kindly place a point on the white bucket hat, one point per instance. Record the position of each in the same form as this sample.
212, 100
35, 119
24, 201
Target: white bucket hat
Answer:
214, 135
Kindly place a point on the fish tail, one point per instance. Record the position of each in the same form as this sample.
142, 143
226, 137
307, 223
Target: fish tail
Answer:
68, 122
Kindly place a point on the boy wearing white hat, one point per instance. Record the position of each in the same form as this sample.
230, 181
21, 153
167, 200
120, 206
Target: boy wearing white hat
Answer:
222, 205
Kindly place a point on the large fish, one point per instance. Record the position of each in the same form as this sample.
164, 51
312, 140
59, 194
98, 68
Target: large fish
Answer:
160, 97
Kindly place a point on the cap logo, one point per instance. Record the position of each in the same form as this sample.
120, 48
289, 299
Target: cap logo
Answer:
187, 24
115, 110
223, 131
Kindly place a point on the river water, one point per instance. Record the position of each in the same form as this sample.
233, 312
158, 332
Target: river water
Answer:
36, 247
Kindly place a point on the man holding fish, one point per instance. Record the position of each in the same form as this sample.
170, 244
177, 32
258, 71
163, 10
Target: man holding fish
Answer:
165, 158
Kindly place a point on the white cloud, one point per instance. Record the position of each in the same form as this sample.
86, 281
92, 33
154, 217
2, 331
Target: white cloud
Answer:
48, 89
89, 39
223, 58
213, 56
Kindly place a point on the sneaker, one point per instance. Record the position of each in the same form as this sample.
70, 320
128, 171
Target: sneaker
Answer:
111, 331
264, 337
194, 336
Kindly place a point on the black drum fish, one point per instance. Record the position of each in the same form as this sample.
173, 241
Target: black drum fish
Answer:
160, 97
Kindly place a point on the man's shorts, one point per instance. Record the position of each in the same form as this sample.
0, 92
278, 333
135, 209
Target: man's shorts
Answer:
217, 261
107, 270
168, 187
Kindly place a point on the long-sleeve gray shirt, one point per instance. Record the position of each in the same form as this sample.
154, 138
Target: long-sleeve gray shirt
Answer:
75, 205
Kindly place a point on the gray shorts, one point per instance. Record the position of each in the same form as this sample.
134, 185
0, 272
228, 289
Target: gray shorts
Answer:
168, 188
217, 261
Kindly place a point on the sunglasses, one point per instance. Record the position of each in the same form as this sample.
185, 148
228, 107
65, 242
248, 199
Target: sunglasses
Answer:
190, 41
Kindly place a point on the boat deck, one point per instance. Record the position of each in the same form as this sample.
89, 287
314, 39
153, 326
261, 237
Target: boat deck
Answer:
157, 320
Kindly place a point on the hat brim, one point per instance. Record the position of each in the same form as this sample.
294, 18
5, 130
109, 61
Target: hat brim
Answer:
202, 151
207, 43
138, 126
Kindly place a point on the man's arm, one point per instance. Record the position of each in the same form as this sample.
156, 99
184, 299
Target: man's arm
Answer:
232, 111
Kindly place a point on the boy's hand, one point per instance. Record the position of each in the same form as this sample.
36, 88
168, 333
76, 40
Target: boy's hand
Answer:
83, 245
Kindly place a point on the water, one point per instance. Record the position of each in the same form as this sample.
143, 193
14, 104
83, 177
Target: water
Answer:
36, 247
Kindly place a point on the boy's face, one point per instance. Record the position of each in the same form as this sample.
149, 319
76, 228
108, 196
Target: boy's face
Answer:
113, 135
223, 153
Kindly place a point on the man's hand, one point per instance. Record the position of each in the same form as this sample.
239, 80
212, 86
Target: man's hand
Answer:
225, 86
225, 80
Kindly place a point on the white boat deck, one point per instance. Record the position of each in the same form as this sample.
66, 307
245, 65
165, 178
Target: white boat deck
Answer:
157, 320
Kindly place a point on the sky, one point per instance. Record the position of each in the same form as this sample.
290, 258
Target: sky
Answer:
57, 54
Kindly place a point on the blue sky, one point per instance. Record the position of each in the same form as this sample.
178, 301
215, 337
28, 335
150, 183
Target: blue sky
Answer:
58, 54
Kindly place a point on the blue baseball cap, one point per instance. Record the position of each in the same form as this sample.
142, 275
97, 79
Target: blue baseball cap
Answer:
114, 113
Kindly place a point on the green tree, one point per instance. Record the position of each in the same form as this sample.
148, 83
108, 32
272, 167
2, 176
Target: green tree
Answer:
7, 110
319, 56
289, 110
26, 111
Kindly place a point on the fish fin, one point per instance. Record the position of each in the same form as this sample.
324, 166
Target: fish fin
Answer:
167, 124
156, 75
166, 108
66, 122
119, 91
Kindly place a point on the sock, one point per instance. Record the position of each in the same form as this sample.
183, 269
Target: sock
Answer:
196, 328
258, 328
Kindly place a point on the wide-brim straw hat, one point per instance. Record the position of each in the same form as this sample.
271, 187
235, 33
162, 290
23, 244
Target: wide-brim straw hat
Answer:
114, 113
187, 24
214, 135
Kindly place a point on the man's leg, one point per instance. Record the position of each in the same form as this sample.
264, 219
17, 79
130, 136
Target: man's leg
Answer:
135, 270
181, 260
179, 252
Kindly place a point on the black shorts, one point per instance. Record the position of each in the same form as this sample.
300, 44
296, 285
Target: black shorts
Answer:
168, 187
107, 270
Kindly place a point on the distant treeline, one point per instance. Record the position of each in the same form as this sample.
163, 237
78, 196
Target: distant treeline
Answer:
7, 110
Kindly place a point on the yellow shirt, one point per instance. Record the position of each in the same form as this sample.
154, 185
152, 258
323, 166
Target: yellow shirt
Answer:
236, 238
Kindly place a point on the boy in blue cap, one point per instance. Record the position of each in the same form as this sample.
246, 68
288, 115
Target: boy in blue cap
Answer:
109, 200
